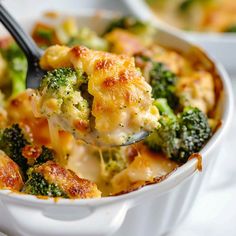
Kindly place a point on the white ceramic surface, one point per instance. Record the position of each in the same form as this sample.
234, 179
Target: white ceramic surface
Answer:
158, 207
222, 46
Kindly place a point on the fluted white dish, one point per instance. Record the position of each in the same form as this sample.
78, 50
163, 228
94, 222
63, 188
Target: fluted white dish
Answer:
157, 208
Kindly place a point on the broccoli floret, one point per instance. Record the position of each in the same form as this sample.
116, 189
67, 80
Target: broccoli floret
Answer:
12, 141
63, 85
47, 154
37, 185
59, 81
17, 147
17, 67
114, 162
128, 23
188, 4
179, 136
164, 138
194, 132
65, 100
90, 39
163, 83
162, 80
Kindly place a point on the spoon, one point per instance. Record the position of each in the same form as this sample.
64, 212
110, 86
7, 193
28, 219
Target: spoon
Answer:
33, 54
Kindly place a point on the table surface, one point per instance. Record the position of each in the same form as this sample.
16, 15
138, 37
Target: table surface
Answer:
217, 200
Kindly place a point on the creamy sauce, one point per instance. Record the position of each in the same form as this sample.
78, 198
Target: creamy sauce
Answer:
84, 161
55, 141
146, 166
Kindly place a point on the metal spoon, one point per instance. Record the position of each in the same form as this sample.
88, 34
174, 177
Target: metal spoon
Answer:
33, 54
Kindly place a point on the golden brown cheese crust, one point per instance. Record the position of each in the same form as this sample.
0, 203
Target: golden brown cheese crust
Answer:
55, 57
10, 176
122, 103
68, 181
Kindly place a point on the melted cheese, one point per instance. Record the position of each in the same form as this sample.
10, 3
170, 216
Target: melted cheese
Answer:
122, 103
84, 162
146, 166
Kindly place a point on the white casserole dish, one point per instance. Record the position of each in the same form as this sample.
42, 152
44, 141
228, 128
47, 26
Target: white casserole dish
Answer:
222, 46
155, 209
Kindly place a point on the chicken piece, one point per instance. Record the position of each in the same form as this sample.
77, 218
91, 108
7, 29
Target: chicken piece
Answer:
10, 175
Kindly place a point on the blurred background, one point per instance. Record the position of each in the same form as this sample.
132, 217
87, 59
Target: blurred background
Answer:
214, 211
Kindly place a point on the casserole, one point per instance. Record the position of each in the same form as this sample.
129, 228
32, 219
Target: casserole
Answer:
218, 45
105, 215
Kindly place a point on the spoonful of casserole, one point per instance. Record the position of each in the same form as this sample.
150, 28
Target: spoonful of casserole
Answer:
99, 97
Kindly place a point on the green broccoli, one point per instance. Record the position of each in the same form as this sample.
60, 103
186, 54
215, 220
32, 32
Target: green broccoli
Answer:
114, 162
65, 87
47, 154
90, 39
128, 23
179, 135
12, 141
163, 82
185, 5
194, 132
17, 67
38, 185
231, 29
63, 84
164, 138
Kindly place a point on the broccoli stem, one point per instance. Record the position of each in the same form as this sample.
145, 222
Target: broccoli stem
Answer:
164, 108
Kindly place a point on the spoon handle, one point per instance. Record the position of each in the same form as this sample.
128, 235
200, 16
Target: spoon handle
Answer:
24, 41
